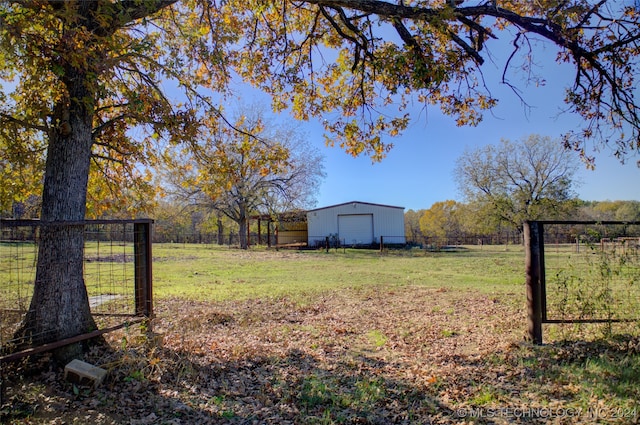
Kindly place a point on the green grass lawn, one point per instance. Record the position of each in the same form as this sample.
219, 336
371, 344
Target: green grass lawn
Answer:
217, 274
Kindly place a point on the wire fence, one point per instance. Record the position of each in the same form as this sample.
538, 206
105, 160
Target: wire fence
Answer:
336, 241
116, 271
596, 276
584, 272
432, 242
166, 234
284, 239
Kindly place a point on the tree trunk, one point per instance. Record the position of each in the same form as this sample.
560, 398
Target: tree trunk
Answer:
242, 234
60, 306
220, 232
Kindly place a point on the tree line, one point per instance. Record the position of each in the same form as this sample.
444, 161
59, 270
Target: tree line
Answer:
506, 184
212, 193
451, 223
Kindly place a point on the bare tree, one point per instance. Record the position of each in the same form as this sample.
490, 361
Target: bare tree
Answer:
526, 180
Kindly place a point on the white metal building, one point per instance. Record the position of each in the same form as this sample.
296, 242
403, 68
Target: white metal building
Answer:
356, 223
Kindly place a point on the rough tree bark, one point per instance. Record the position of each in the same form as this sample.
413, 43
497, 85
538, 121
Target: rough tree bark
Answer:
76, 46
60, 307
242, 232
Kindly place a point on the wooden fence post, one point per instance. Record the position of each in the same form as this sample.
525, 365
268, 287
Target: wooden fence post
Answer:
533, 243
269, 233
259, 234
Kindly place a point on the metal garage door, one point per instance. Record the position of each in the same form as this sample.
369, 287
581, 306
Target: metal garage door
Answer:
356, 229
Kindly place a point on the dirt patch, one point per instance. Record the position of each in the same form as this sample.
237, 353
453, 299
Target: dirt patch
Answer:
112, 258
175, 258
277, 254
98, 300
411, 355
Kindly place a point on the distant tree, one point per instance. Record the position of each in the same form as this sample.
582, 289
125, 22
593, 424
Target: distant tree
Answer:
476, 220
517, 181
605, 210
441, 221
628, 211
175, 221
171, 221
611, 210
260, 169
412, 225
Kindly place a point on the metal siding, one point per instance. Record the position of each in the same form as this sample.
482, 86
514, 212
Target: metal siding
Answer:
387, 221
321, 224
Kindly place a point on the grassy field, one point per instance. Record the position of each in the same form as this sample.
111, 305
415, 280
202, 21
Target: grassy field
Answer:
219, 274
344, 337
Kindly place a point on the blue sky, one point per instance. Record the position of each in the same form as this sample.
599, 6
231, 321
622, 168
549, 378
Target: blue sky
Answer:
419, 169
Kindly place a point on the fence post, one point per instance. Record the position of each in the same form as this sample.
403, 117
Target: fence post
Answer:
142, 255
533, 262
269, 233
381, 243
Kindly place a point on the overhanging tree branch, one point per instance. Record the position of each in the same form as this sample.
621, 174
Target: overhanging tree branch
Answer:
6, 118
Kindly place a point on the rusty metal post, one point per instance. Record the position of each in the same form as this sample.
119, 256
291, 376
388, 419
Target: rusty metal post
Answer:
143, 267
533, 262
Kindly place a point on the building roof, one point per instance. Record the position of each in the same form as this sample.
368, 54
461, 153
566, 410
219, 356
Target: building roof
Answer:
289, 216
355, 202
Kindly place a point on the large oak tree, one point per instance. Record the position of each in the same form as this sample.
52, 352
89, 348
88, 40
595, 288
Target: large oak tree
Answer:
84, 74
255, 167
87, 72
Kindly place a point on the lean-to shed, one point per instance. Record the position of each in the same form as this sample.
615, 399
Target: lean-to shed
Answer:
356, 223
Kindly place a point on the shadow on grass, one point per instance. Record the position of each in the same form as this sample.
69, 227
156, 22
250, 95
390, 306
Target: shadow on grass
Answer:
169, 387
164, 386
611, 366
296, 388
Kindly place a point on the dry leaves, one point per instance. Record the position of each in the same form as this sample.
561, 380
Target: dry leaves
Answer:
410, 355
